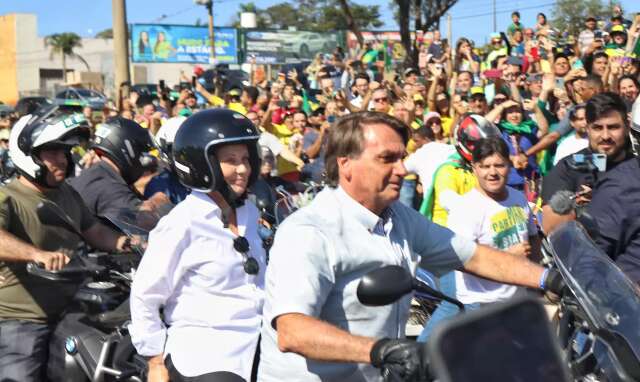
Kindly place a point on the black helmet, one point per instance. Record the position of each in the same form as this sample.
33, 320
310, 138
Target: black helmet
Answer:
125, 143
49, 127
195, 164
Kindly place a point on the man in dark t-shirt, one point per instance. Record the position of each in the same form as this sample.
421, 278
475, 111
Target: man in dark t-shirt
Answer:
104, 190
616, 209
31, 306
608, 133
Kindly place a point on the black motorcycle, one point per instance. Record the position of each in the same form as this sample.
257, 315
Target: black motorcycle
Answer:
598, 334
91, 342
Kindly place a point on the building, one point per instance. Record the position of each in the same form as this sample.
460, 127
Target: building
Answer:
28, 68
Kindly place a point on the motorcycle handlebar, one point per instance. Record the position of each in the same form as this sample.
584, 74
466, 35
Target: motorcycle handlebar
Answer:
76, 269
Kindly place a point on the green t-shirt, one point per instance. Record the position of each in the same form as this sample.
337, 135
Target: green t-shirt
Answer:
27, 297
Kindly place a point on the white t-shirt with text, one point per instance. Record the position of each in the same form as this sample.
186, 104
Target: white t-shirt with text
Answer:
498, 224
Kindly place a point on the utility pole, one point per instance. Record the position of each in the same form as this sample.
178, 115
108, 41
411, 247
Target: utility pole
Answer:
449, 34
209, 5
120, 47
495, 24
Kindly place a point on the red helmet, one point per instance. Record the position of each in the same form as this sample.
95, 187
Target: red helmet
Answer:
469, 130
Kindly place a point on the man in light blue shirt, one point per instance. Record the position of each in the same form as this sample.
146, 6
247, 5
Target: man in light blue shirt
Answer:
314, 327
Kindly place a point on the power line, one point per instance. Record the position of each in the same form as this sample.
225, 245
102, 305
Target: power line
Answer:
165, 16
501, 11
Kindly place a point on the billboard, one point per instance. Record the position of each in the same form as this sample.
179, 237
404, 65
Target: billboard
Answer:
182, 43
377, 40
283, 47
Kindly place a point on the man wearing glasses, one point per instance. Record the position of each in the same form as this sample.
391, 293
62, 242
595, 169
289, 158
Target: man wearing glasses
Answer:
314, 327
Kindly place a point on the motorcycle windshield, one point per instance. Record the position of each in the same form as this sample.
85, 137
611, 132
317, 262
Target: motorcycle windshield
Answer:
130, 222
609, 298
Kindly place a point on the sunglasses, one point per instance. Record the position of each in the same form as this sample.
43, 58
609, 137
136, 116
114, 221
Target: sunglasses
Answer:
250, 264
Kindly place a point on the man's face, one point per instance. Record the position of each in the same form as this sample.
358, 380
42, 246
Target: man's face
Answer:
299, 121
515, 19
579, 122
400, 111
380, 101
585, 89
362, 86
478, 104
599, 66
535, 87
375, 177
56, 162
608, 135
419, 140
288, 92
591, 24
492, 173
326, 84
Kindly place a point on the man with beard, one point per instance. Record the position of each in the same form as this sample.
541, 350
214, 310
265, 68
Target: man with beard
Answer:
608, 133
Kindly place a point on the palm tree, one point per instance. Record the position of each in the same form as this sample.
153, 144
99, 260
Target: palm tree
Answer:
63, 44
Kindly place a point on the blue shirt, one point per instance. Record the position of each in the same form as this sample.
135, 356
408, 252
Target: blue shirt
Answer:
167, 183
319, 255
315, 168
525, 141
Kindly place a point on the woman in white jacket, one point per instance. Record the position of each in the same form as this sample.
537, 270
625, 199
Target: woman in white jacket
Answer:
196, 301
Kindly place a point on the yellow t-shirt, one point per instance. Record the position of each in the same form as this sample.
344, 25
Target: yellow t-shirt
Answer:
284, 134
446, 126
449, 178
411, 148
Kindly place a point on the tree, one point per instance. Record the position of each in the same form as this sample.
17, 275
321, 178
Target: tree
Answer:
262, 20
105, 34
63, 44
315, 15
569, 15
427, 14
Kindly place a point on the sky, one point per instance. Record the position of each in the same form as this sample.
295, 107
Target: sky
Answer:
470, 18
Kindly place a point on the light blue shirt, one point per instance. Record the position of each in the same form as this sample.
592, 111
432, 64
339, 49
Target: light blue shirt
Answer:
318, 257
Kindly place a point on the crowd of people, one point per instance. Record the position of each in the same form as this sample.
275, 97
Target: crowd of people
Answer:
450, 166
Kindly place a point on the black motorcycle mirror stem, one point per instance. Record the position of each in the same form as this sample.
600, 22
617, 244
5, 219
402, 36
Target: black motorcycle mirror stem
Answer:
420, 286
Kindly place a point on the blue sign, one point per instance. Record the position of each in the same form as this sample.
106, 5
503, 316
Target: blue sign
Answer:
181, 43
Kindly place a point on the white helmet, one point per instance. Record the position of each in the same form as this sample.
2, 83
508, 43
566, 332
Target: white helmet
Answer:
47, 128
165, 136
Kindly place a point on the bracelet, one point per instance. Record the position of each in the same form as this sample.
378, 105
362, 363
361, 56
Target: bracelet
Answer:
543, 278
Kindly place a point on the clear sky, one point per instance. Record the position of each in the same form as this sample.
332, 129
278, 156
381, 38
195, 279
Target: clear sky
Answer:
470, 18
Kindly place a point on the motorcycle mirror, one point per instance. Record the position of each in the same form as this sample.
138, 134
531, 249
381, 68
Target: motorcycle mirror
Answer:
48, 215
384, 285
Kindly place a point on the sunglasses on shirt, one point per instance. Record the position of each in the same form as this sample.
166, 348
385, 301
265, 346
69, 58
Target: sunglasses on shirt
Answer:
250, 264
